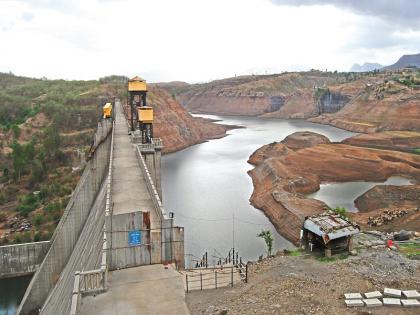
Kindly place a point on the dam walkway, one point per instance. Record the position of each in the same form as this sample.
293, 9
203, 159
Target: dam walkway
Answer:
115, 250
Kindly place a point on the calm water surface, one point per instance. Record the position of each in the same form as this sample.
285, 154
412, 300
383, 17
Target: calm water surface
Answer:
344, 194
207, 185
11, 292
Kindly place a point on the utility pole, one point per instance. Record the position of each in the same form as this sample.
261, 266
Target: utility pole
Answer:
233, 232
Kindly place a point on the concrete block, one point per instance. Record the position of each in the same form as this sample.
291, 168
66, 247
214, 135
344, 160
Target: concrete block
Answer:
352, 296
354, 303
392, 302
411, 294
372, 302
410, 303
392, 292
373, 295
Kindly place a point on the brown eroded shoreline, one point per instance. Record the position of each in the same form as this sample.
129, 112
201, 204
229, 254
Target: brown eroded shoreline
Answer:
286, 171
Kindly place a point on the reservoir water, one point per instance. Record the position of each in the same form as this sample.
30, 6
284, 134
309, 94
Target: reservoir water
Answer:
208, 188
11, 292
344, 194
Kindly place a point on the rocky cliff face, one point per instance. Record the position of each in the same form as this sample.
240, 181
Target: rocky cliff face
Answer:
286, 171
332, 102
177, 128
283, 95
368, 102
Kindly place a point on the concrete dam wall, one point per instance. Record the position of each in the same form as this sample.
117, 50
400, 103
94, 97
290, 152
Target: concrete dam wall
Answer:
21, 259
71, 224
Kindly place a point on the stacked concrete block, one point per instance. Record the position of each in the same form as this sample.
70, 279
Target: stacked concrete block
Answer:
410, 303
390, 297
354, 303
411, 294
392, 292
373, 295
372, 302
392, 302
353, 296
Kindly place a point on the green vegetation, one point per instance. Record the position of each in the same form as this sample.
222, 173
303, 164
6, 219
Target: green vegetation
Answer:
43, 125
327, 260
341, 211
295, 253
416, 151
410, 250
320, 92
268, 239
324, 259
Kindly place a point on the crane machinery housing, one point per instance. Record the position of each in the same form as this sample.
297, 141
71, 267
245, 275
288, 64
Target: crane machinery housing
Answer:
141, 114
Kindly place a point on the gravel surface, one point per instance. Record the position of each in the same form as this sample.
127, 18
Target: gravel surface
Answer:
306, 285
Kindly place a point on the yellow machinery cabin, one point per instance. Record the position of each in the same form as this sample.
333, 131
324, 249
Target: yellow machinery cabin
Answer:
145, 114
107, 110
137, 84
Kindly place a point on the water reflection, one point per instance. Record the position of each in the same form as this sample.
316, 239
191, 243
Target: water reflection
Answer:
344, 194
207, 185
11, 293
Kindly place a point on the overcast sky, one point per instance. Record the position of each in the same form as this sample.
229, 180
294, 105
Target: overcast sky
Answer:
201, 40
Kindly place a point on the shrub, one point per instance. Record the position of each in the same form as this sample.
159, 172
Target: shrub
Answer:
28, 204
26, 237
52, 207
16, 131
268, 239
38, 220
341, 211
37, 237
18, 239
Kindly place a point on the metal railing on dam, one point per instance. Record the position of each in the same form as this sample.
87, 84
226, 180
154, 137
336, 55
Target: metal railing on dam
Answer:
70, 248
95, 281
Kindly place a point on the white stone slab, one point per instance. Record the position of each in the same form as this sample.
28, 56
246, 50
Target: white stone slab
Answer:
372, 302
392, 292
392, 302
411, 294
354, 303
353, 296
373, 295
410, 303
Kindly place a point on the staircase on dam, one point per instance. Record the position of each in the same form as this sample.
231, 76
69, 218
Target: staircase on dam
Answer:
114, 237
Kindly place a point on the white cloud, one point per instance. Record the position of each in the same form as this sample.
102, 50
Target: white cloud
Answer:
190, 40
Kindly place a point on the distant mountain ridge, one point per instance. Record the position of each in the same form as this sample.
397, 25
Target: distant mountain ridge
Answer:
405, 61
367, 66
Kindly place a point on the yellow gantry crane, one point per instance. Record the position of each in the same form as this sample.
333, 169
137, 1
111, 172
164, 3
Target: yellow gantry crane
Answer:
141, 114
107, 110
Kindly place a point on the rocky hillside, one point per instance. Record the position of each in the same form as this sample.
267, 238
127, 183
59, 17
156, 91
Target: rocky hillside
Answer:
177, 128
286, 95
361, 102
377, 105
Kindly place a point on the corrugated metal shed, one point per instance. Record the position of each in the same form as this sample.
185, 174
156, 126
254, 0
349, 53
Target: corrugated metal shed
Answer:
330, 226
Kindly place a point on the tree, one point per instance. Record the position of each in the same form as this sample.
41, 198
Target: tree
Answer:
268, 239
51, 141
19, 162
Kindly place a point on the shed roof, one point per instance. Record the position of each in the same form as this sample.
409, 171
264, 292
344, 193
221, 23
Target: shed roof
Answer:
330, 226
